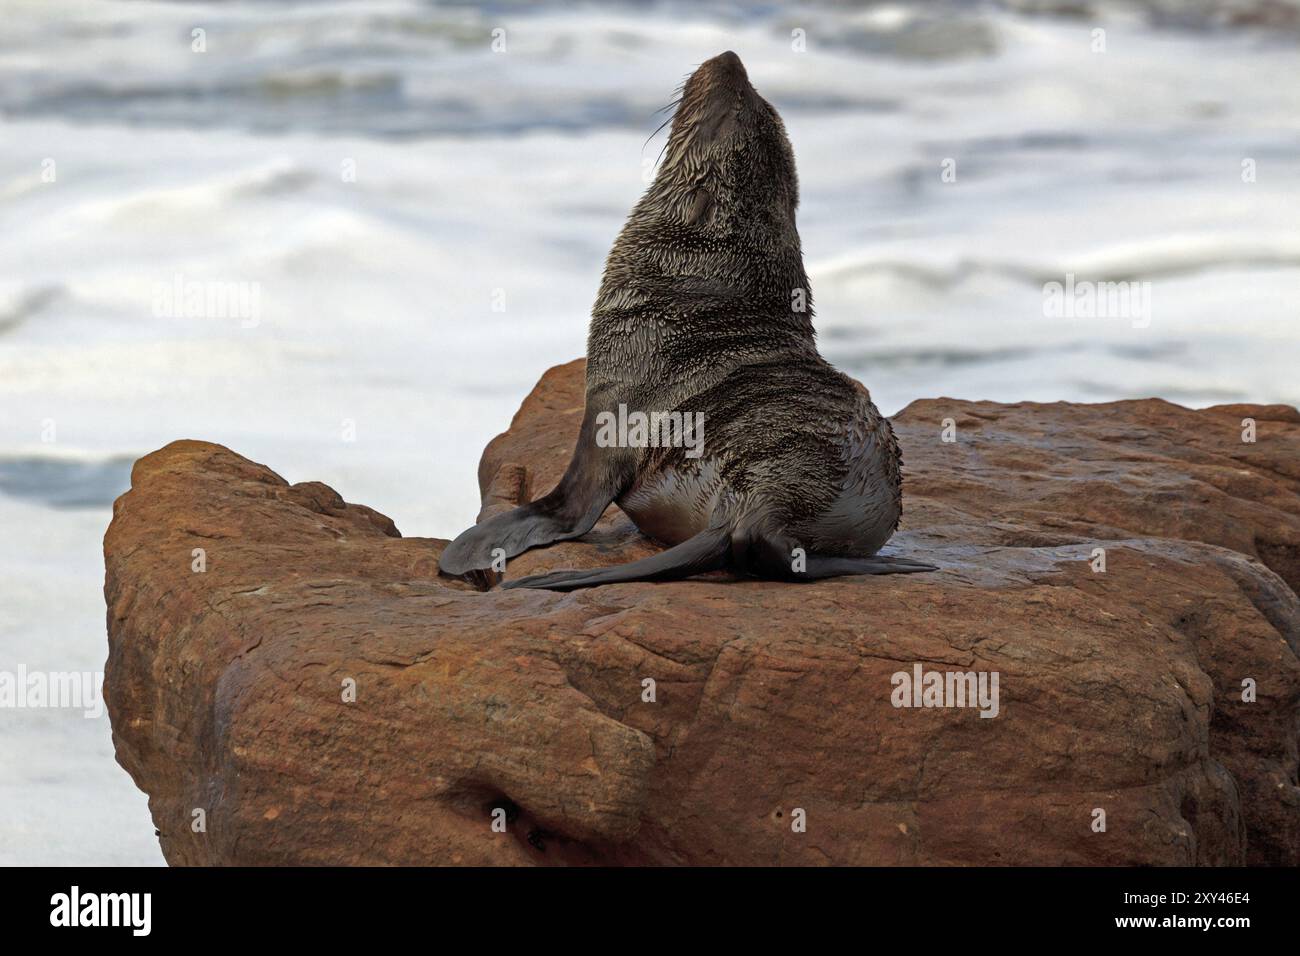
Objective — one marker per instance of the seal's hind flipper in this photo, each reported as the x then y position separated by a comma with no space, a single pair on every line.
825,567
706,551
769,557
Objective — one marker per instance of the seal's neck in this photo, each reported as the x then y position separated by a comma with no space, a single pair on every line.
679,305
661,269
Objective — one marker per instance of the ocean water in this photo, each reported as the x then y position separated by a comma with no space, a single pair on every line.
344,239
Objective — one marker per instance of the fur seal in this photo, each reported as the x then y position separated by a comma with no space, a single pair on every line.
704,310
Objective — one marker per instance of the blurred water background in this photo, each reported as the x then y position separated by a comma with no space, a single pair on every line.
418,222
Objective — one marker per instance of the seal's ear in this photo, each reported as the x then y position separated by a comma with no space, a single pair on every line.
699,207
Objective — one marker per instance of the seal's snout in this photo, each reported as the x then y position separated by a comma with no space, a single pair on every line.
720,126
725,68
710,99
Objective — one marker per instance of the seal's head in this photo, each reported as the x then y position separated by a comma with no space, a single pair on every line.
728,165
714,237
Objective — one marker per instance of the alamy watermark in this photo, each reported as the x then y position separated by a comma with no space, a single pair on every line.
946,689
1085,299
71,690
212,299
76,908
651,430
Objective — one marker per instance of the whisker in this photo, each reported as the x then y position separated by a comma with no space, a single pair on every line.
678,95
656,132
661,153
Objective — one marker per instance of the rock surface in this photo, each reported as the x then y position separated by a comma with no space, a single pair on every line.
1121,690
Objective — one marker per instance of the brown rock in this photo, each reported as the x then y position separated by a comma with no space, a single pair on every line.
1119,691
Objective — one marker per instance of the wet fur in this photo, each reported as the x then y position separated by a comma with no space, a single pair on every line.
697,313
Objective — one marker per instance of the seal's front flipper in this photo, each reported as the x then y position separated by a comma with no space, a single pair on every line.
563,514
707,551
505,535
824,567
594,478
